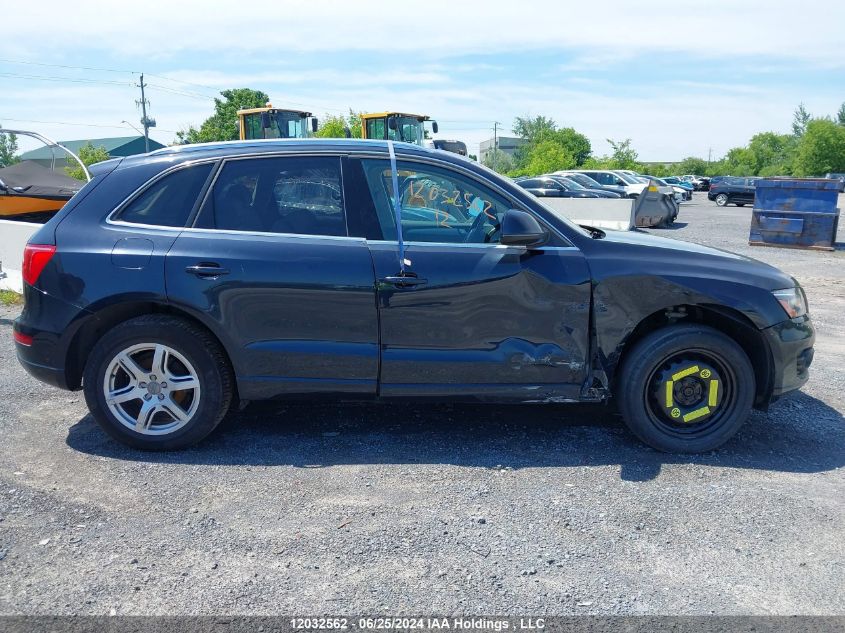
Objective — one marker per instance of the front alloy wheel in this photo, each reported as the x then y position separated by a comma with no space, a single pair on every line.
722,199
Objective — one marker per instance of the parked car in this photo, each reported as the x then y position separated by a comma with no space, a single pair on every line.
181,282
546,187
840,178
571,185
677,182
633,188
732,190
699,183
589,183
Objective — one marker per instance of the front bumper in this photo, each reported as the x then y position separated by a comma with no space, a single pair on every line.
791,344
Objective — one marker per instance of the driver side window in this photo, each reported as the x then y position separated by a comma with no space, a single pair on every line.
437,204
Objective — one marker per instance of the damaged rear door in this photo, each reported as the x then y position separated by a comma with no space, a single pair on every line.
464,315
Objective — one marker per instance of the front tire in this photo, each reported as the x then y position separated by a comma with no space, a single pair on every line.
686,388
722,199
157,382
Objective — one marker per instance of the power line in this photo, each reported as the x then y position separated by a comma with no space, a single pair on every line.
65,79
195,95
105,70
74,123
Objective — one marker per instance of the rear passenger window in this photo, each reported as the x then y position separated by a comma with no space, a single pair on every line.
301,195
170,200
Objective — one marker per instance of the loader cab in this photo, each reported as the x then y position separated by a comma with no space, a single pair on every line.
396,126
270,122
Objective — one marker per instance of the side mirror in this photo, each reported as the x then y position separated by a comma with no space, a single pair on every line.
434,127
314,124
266,121
347,132
521,229
391,123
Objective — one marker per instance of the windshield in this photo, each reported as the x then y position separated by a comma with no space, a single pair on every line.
629,179
408,129
570,183
286,125
585,181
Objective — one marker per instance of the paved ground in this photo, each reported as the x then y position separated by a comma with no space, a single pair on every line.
326,509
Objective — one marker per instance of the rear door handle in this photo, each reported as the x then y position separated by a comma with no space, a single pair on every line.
206,270
401,281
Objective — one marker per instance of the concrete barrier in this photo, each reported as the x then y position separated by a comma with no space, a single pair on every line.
603,213
13,238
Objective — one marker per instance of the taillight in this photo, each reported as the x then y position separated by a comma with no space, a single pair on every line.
23,339
35,257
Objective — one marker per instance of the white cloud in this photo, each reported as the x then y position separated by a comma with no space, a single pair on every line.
434,28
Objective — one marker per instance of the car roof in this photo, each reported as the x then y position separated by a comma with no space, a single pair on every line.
259,146
225,149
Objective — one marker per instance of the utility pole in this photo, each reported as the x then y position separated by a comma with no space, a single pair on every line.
709,154
496,125
145,121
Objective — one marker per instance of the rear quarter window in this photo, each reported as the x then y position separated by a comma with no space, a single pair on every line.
169,200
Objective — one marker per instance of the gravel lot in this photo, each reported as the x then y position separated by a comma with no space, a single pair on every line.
315,509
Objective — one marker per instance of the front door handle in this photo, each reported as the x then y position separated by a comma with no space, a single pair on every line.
206,270
403,281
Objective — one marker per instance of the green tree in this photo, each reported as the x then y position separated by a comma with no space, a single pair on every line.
573,142
223,124
89,155
821,149
772,153
354,121
8,149
545,157
531,128
692,165
624,156
739,161
840,115
800,119
498,161
332,127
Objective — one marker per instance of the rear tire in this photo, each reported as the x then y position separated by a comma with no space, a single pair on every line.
685,388
158,382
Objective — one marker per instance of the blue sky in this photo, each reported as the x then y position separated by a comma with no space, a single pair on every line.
676,80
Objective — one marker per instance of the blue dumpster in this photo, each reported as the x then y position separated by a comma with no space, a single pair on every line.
795,213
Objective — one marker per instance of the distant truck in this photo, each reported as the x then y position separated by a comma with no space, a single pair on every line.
456,147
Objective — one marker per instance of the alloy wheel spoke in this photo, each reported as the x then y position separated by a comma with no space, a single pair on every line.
132,368
159,367
145,416
175,410
126,394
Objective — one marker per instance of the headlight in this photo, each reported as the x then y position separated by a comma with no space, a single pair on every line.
792,300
